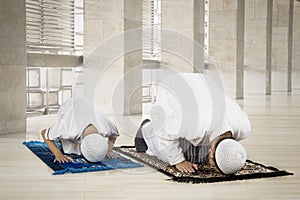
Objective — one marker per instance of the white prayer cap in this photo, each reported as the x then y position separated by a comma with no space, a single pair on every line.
230,156
94,147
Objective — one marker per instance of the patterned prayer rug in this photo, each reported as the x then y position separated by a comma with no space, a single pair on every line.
78,164
205,173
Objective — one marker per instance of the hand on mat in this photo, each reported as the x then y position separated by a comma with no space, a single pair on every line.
111,155
187,167
62,158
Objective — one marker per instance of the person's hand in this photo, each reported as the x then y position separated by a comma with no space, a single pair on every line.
61,158
111,155
187,167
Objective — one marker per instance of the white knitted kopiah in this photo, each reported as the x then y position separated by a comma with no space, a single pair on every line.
94,147
230,156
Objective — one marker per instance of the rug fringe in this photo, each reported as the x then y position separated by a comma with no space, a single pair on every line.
229,178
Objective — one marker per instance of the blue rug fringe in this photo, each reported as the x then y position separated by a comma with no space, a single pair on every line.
79,164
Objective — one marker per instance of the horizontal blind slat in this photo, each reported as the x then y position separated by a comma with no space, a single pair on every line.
50,25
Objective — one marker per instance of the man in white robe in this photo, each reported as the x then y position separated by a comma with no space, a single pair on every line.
191,107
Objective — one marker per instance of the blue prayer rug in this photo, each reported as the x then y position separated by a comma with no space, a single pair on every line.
79,164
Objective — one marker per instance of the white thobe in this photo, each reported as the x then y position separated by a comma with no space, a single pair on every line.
193,108
73,117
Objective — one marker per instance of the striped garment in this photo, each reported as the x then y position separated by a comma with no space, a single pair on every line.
193,153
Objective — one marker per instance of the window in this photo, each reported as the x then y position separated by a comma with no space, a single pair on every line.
151,29
51,26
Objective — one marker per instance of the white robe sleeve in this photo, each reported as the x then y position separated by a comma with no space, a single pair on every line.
172,151
238,121
52,133
60,129
166,149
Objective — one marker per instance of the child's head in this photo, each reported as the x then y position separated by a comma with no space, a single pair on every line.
94,147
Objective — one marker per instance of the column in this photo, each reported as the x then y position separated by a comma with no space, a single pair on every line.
226,43
107,51
240,27
290,46
258,16
182,32
280,45
133,16
296,47
269,47
199,34
12,67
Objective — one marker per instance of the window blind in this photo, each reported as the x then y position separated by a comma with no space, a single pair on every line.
151,29
50,26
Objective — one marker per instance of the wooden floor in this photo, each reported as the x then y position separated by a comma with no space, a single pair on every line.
275,140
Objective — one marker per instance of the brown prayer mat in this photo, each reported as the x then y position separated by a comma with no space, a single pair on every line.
205,173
